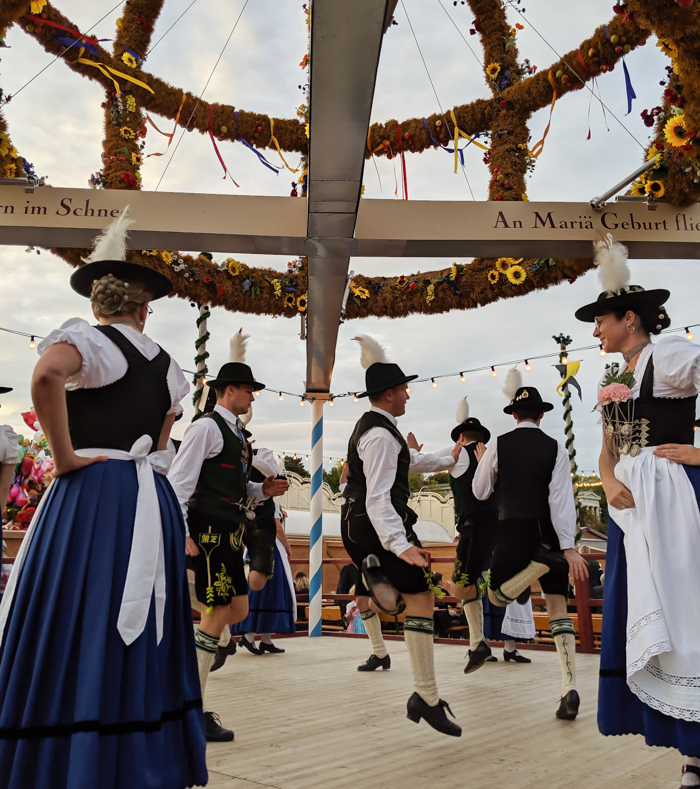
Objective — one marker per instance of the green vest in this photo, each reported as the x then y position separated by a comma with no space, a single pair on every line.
222,483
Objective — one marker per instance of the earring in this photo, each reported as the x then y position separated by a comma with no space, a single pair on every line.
630,329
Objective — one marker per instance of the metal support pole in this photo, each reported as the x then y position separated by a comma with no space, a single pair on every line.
316,512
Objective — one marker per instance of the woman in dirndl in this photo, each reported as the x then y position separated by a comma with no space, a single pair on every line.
98,675
650,658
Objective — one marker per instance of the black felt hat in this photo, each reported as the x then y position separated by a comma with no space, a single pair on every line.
626,299
5,389
471,425
81,281
527,397
381,376
235,373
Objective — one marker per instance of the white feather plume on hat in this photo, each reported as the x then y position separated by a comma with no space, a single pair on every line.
611,260
462,411
111,243
514,381
245,418
371,351
237,347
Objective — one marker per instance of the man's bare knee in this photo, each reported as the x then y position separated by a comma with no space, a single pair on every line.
493,601
256,580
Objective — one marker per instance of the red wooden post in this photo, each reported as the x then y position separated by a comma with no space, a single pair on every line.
585,620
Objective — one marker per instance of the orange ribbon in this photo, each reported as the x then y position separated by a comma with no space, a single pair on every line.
165,134
538,147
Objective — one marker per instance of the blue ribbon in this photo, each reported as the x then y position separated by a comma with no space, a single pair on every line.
628,85
132,53
69,41
442,147
275,169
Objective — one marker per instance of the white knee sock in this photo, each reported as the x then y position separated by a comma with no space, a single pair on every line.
418,634
206,654
250,637
509,645
225,639
373,626
474,611
690,779
565,639
266,638
520,582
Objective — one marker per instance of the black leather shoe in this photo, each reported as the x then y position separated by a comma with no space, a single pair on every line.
382,591
477,657
215,732
249,645
492,659
523,597
222,653
553,559
433,716
568,706
516,656
271,648
373,663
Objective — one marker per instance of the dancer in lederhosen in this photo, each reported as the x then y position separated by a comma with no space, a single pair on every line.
377,530
98,674
530,473
211,478
649,662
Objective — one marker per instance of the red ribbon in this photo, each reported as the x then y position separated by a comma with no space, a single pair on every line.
581,60
403,162
211,134
40,21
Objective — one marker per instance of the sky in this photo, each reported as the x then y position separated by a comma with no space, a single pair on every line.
56,122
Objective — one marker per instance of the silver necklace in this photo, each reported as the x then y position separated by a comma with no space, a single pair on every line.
629,355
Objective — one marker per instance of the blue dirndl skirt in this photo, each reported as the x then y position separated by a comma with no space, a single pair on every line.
271,610
619,710
80,709
493,621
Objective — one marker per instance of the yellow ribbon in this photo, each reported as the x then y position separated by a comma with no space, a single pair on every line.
104,69
538,147
459,133
277,145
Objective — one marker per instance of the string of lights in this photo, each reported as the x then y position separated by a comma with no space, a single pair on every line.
432,378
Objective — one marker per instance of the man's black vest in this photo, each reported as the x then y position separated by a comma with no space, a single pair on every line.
356,489
526,460
223,481
116,415
466,503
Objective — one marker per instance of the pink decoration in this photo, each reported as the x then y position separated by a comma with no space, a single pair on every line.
614,393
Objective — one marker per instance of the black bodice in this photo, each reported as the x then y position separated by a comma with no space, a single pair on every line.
116,415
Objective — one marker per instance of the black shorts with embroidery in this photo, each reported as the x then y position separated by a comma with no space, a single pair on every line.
259,538
360,539
218,569
477,539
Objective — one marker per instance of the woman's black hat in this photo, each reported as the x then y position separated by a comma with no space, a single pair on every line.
471,425
235,373
82,279
381,376
527,397
626,299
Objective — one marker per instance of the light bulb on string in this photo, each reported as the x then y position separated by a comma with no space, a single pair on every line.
356,399
301,403
528,366
306,458
331,403
564,359
434,383
280,398
493,372
688,334
32,342
602,350
408,389
462,377
257,393
294,457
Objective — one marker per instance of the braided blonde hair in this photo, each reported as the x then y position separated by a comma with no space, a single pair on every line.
112,296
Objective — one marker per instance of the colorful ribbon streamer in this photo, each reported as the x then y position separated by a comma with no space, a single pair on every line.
631,95
69,41
133,54
403,161
459,133
165,134
277,145
104,69
538,147
275,168
211,134
444,147
39,21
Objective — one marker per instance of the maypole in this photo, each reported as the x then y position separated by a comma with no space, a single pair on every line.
316,513
200,359
564,341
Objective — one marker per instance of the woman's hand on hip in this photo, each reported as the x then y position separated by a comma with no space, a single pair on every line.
74,462
679,453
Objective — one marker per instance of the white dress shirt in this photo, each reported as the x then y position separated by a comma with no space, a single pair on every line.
9,448
562,508
203,440
379,452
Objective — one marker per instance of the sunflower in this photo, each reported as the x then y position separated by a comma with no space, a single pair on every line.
637,189
493,276
361,293
655,188
516,275
301,303
289,300
166,257
150,252
667,47
127,133
503,264
233,266
136,158
675,132
129,59
453,272
652,154
37,6
492,70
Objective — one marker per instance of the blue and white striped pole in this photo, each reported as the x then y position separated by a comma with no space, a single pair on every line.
316,508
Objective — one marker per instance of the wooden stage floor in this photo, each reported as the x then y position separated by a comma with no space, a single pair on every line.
308,719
